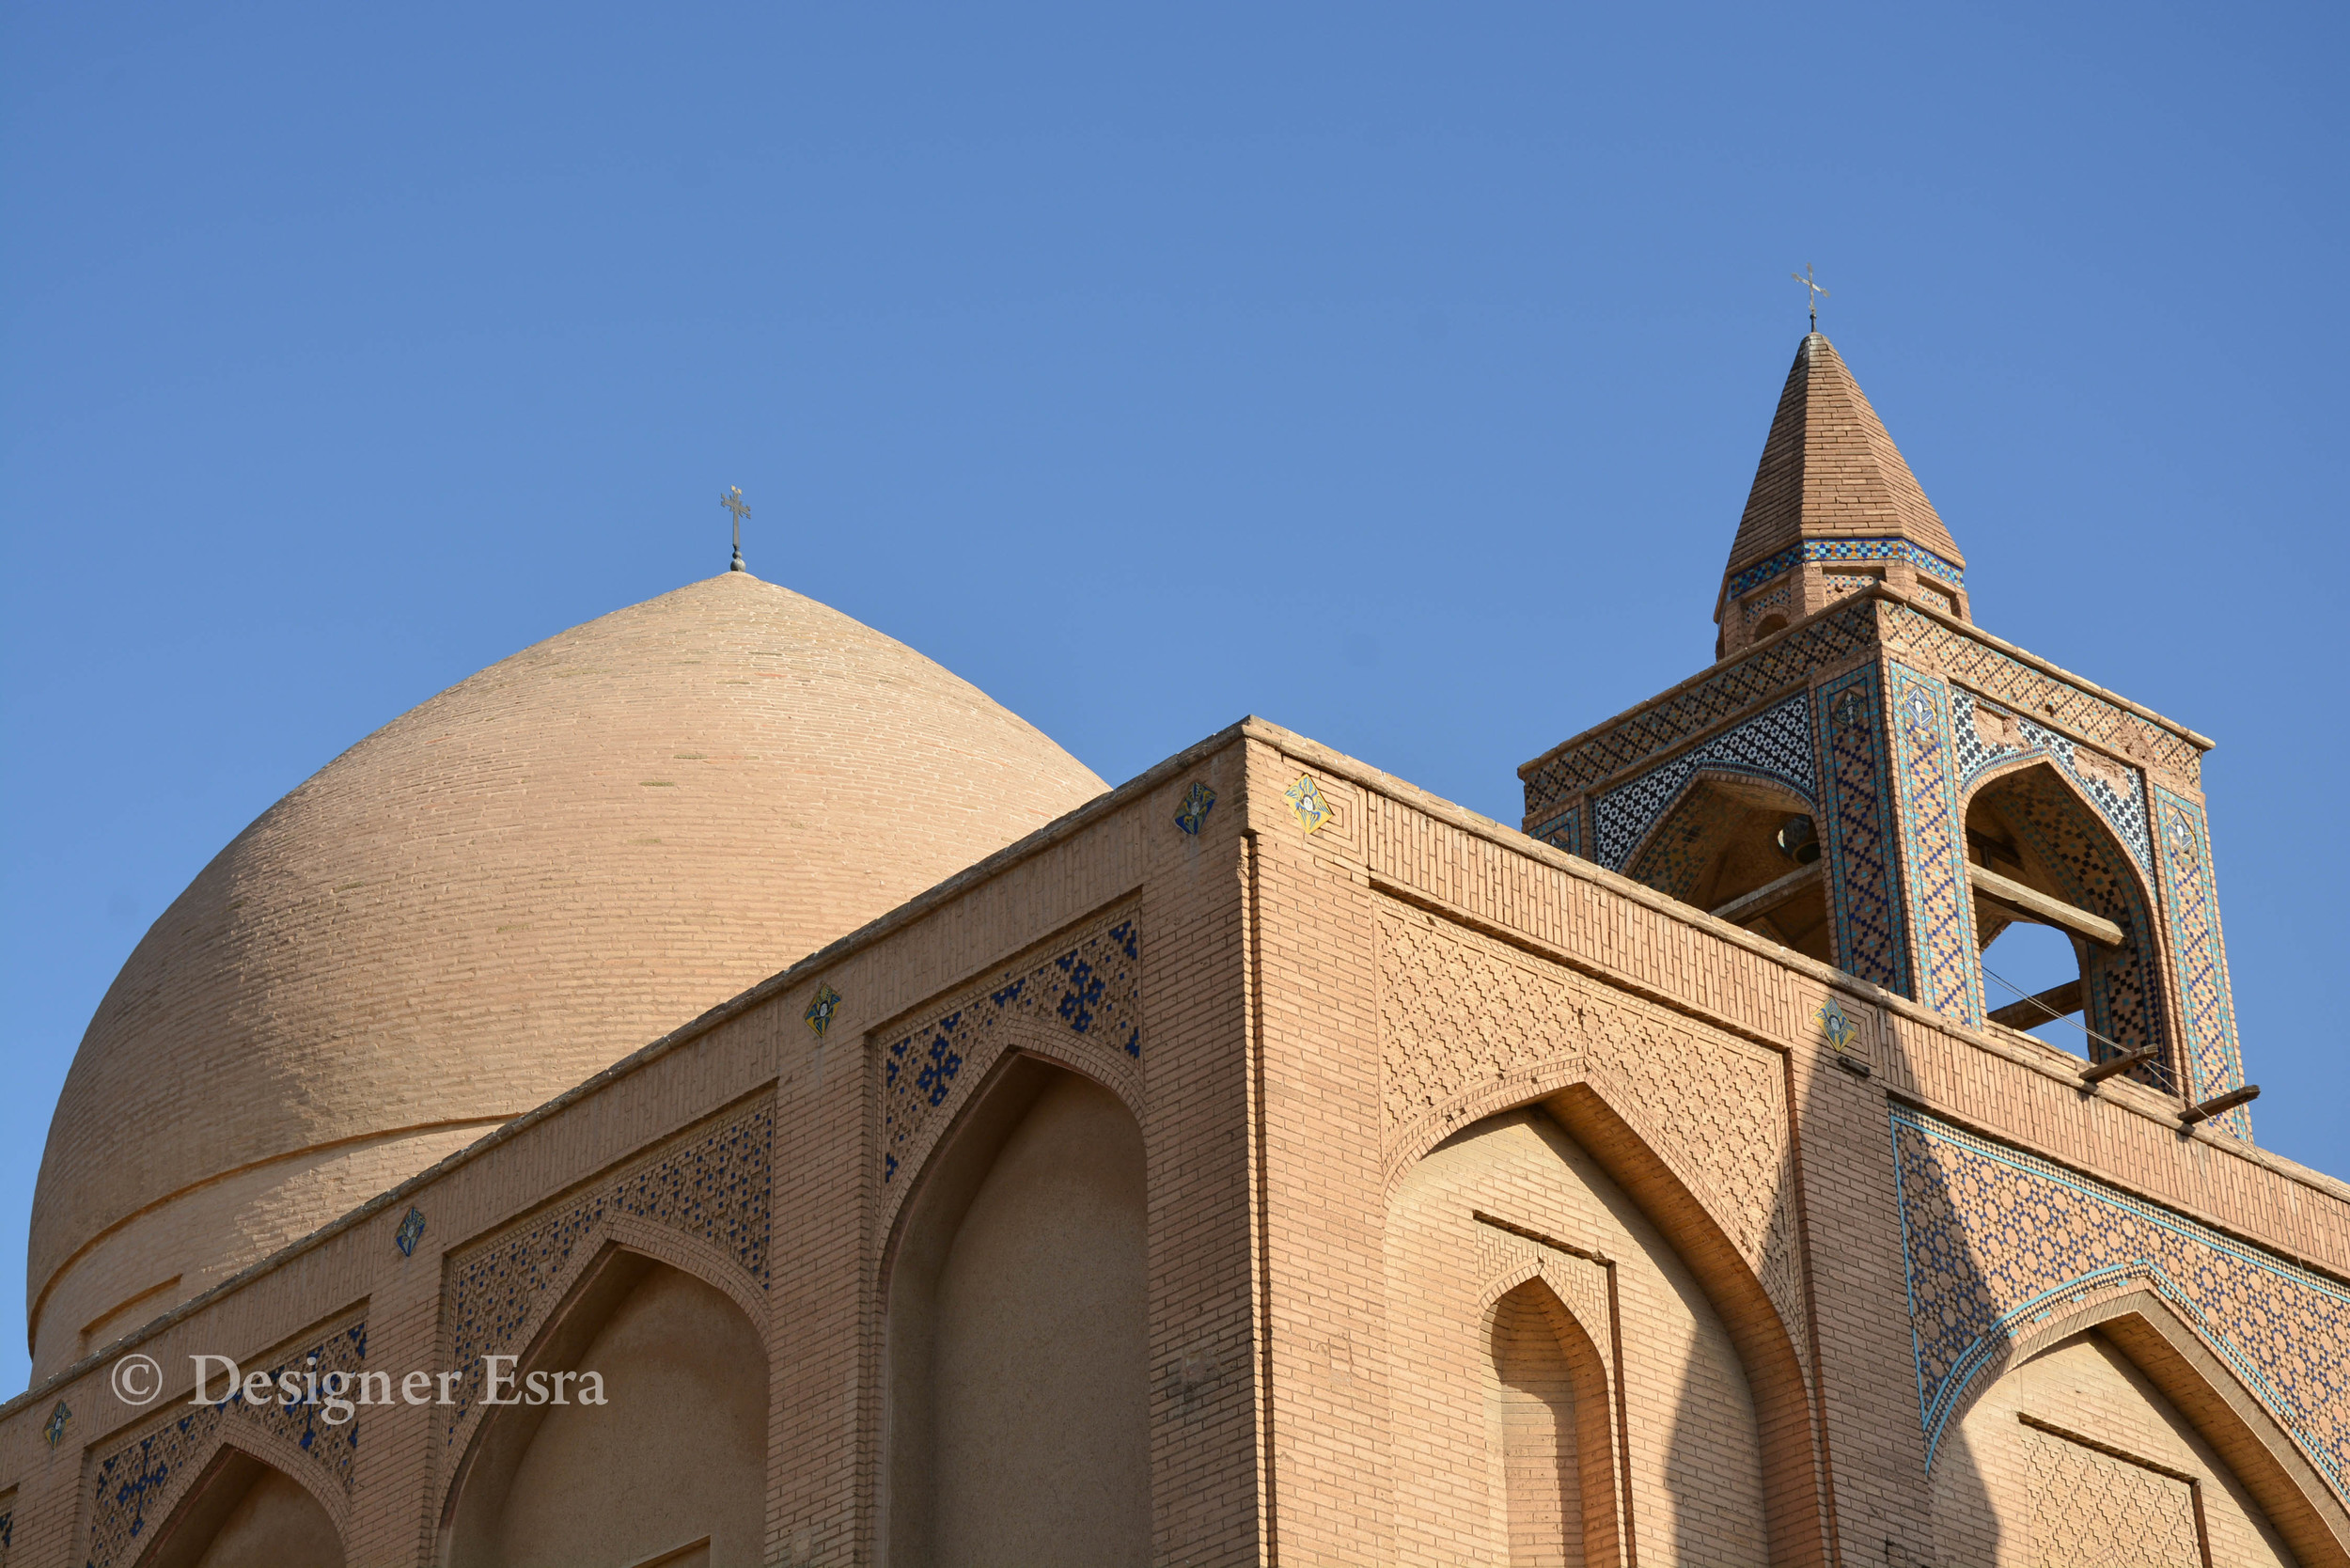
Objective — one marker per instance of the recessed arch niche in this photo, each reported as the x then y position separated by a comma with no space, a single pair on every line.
1564,1390
1016,1393
672,1469
244,1513
2074,1454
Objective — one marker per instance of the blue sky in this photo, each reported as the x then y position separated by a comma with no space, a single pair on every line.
1397,374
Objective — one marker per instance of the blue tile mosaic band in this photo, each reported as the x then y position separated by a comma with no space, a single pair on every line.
1858,825
1775,744
1997,1242
1988,736
1848,550
1933,850
2199,959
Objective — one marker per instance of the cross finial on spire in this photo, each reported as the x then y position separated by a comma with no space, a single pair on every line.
731,498
1804,277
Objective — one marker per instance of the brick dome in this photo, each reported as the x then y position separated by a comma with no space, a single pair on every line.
489,900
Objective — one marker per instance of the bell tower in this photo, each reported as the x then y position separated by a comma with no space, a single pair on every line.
1833,508
1868,778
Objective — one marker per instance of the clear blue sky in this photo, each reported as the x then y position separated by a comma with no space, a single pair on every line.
1396,374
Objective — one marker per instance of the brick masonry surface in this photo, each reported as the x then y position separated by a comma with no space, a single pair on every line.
1300,1020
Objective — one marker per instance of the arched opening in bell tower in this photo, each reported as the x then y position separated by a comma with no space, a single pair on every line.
2048,873
1746,850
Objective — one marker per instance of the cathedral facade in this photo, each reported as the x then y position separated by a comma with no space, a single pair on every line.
715,1089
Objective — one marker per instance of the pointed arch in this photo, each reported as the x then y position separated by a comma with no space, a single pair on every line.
1015,1403
1729,836
671,1326
2028,819
1760,1338
2154,1337
1601,1492
1793,1489
255,1483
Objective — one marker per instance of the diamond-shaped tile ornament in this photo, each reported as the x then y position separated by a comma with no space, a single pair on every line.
1836,1026
1198,801
411,1231
820,1011
54,1431
1307,800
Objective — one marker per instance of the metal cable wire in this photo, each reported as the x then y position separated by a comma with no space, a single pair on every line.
2065,1019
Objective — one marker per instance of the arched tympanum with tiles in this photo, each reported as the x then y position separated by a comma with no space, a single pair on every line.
2029,821
2114,1424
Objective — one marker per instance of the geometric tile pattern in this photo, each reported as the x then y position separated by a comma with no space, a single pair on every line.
1563,831
1985,735
1763,604
2199,959
1941,903
2024,689
2122,988
1092,990
1864,877
135,1478
2091,1509
1997,1242
1775,744
712,1184
1848,550
1699,706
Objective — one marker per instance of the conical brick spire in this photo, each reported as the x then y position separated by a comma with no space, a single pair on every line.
1833,507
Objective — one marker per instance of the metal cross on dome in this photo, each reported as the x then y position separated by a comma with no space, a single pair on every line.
1804,277
731,498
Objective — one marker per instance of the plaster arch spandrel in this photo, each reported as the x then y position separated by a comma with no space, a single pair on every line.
1075,1001
1469,1026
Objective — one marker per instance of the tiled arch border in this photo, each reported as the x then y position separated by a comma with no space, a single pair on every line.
2164,1345
279,1454
2143,893
1098,1059
1980,1328
1773,743
688,1255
